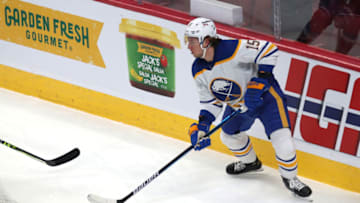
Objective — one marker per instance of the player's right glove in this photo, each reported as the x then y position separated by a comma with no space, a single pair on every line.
255,89
197,132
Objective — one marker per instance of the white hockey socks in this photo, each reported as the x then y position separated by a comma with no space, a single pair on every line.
285,152
240,145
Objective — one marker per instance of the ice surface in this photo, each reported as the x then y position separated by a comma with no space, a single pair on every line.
116,158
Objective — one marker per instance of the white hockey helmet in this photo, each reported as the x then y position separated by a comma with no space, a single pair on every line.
200,28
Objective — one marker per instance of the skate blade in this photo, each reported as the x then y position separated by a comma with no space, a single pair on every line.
255,171
248,172
305,199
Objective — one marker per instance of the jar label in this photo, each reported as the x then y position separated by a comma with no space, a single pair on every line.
151,65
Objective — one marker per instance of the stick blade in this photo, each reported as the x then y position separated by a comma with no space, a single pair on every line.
64,158
97,199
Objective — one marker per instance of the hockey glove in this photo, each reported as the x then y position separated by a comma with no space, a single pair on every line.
255,89
197,132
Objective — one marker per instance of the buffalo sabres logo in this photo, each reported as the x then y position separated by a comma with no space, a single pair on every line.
225,90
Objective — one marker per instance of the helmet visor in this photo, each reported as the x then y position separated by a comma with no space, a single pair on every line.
190,40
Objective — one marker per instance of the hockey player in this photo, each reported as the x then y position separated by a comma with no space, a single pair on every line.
236,73
346,17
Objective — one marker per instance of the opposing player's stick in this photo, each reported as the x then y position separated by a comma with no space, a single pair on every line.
54,162
97,199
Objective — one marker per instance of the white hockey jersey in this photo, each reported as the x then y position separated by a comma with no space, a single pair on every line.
224,80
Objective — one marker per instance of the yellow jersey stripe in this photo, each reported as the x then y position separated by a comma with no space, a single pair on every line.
232,56
224,60
199,73
281,108
268,50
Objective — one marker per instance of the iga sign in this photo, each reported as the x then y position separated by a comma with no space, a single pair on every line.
324,106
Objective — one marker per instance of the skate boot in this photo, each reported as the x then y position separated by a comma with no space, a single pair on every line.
240,167
297,187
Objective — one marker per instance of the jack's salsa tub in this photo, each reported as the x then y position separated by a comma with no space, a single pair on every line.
151,56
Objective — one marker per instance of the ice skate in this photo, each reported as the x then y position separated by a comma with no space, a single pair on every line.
299,188
240,167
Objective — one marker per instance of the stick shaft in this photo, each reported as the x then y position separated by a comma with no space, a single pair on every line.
23,151
155,175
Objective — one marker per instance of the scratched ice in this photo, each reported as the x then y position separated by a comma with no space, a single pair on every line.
116,158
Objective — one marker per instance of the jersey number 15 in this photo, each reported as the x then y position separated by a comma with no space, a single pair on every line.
253,44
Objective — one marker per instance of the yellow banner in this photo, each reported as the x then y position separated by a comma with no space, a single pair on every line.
149,49
52,31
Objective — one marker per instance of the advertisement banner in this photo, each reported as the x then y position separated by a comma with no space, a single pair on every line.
151,56
324,103
148,80
52,31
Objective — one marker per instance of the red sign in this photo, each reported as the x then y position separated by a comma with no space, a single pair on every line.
325,104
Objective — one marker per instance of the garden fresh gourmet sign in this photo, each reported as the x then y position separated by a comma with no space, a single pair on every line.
51,31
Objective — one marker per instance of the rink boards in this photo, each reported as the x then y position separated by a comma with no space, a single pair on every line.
85,64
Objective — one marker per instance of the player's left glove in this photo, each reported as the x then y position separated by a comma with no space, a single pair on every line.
197,132
255,89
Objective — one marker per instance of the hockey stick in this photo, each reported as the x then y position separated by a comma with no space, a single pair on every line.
53,162
97,199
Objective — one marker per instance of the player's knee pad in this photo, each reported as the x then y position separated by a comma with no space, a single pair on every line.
285,152
234,141
240,145
283,143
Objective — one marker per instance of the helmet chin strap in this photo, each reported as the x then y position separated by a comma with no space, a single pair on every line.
204,50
